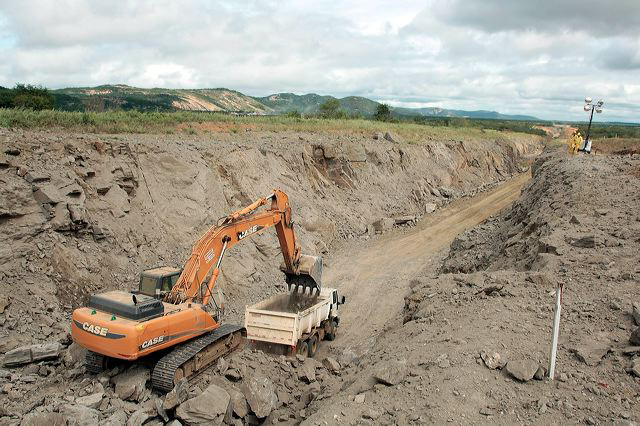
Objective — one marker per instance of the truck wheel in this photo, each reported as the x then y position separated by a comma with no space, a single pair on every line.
313,345
331,334
302,349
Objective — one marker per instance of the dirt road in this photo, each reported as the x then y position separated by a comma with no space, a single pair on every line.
375,278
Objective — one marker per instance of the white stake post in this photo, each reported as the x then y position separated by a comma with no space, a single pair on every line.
554,334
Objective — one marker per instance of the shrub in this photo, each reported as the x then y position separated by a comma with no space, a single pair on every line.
331,109
383,113
28,96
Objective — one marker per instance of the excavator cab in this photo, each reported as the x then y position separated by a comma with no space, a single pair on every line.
157,282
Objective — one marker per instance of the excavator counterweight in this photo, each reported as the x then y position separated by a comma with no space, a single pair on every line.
177,309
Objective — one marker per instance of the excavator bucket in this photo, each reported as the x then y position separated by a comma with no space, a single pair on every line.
309,275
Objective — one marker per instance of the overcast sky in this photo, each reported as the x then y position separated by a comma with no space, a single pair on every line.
516,57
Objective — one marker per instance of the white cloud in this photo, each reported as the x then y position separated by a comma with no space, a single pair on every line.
538,58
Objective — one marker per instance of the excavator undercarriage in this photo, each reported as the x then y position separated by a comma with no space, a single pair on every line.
192,357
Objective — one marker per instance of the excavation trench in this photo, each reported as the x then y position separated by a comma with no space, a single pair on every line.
375,277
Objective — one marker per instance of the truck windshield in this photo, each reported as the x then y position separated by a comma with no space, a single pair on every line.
148,285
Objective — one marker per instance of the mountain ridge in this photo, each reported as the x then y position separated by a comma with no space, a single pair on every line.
121,96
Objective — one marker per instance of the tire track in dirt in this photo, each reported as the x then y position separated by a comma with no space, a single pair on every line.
375,276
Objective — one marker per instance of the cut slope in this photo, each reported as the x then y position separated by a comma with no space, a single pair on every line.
576,223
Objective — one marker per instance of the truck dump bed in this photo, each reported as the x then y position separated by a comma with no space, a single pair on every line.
284,318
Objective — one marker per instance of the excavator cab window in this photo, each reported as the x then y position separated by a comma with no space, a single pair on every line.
156,284
166,284
148,285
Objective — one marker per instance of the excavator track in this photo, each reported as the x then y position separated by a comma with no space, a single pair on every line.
191,358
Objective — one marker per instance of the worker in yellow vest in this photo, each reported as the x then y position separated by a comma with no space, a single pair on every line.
575,142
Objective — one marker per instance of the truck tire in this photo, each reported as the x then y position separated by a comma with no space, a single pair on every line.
313,345
331,333
302,349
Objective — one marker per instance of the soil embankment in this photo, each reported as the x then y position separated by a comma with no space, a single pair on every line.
471,343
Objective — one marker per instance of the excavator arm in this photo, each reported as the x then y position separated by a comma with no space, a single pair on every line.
300,270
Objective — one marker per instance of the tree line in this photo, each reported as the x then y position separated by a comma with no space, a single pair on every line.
26,96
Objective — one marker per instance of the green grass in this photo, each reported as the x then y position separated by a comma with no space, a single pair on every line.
201,122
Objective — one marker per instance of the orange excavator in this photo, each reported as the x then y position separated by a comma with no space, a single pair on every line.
175,313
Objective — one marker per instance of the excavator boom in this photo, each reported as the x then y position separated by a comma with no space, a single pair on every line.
301,271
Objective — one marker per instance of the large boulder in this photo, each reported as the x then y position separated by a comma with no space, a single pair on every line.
32,353
44,419
382,225
635,337
584,242
238,402
74,354
80,415
118,418
331,364
138,417
261,395
392,137
591,352
91,401
131,384
178,395
307,371
635,312
208,408
391,373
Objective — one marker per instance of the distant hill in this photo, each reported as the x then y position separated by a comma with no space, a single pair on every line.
125,97
440,112
120,96
310,103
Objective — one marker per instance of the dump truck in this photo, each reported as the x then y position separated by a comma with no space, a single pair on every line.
295,322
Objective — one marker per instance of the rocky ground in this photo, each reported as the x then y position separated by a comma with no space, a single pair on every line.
473,343
85,213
